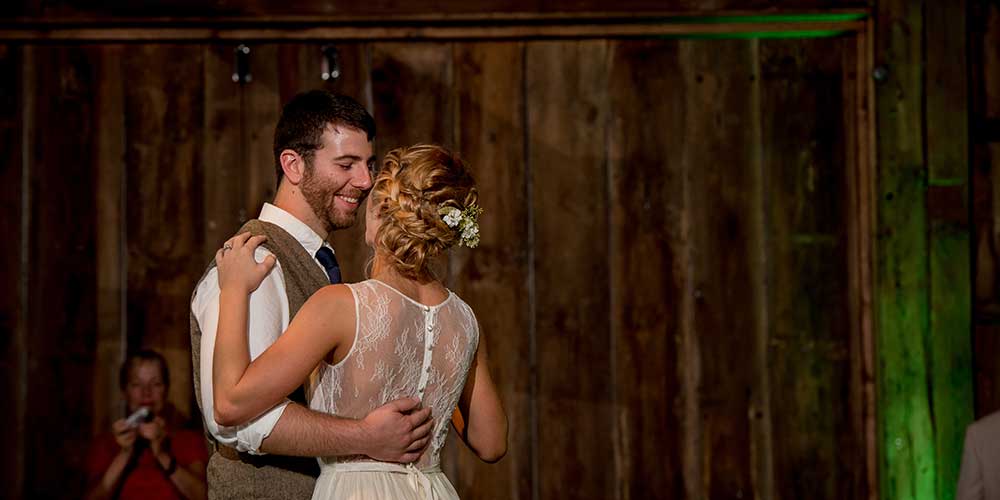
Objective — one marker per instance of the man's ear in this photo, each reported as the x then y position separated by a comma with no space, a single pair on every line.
293,165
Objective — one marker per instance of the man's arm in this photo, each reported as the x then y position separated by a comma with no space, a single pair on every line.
393,432
268,313
396,432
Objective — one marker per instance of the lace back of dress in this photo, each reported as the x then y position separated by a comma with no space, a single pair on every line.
402,349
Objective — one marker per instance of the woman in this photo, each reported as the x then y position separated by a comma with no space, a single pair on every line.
147,458
399,334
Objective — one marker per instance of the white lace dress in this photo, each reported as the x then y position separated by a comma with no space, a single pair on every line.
401,349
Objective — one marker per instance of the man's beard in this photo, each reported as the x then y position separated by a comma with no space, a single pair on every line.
320,194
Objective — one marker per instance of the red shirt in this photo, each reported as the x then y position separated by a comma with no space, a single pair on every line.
146,479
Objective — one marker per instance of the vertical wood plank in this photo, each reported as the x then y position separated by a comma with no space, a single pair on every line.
12,320
858,99
567,119
647,266
412,94
224,175
259,112
62,326
986,209
109,155
723,194
908,466
947,147
164,202
493,278
987,342
762,474
810,337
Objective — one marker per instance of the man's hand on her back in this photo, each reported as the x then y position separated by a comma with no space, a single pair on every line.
398,431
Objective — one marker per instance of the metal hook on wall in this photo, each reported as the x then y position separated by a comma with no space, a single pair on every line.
330,65
241,66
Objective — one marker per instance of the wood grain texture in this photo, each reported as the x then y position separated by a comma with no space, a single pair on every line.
223,177
805,171
109,162
412,94
906,441
493,278
984,30
663,273
69,9
164,113
567,115
647,266
718,155
857,96
947,150
62,325
12,314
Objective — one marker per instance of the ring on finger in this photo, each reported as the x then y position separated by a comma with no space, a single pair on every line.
227,246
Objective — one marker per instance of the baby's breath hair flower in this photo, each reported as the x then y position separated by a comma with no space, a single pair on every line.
464,222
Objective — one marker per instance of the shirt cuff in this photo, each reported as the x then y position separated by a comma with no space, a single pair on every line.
250,436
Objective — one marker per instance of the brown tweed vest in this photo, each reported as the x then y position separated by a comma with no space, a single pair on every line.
266,476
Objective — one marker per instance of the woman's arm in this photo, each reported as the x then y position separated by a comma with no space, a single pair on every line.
107,482
480,418
241,389
188,479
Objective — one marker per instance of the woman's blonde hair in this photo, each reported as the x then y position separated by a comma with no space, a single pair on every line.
415,183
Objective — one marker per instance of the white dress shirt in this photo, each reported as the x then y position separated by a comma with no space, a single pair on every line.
269,317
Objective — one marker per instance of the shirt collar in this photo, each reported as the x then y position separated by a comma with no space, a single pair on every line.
293,226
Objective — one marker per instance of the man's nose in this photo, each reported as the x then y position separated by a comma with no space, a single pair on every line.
363,180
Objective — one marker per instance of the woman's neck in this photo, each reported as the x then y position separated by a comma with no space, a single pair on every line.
385,272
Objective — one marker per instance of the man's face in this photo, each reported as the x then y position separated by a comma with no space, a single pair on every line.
338,178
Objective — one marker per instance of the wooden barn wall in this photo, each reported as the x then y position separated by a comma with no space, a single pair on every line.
984,33
923,265
69,9
662,280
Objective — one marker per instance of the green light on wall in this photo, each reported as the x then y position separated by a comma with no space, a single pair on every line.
798,26
761,35
842,17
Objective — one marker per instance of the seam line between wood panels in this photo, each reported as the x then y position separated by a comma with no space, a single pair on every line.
27,107
762,416
614,323
532,293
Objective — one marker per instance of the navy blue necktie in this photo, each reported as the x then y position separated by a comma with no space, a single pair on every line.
325,257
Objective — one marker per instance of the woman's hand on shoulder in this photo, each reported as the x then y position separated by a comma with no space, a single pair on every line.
238,268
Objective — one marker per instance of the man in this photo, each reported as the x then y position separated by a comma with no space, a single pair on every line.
323,156
979,478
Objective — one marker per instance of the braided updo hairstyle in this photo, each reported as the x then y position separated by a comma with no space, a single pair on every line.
414,184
